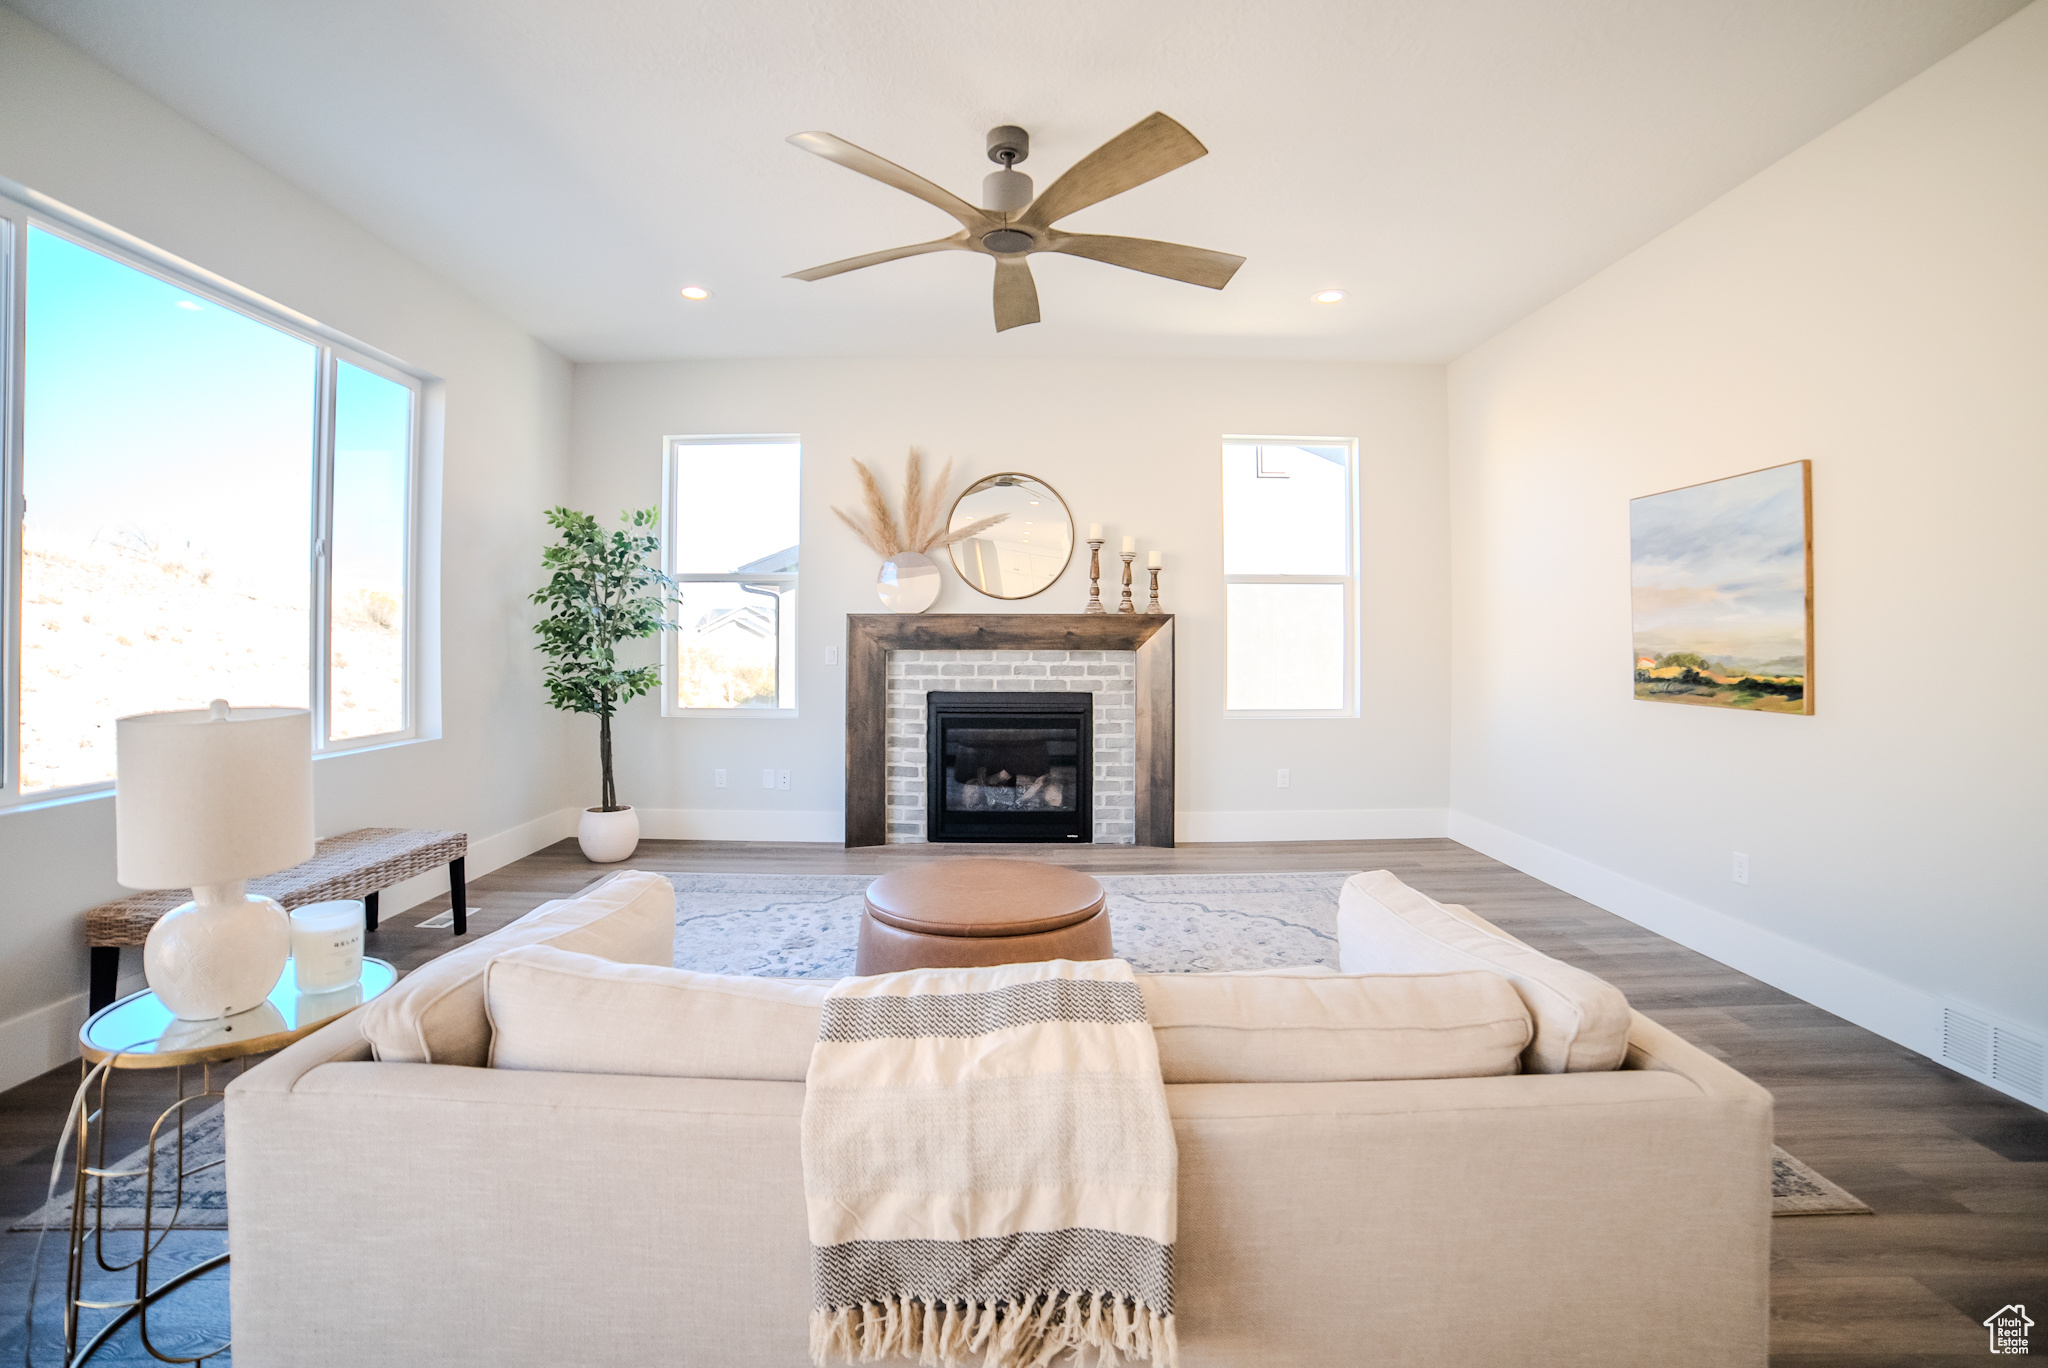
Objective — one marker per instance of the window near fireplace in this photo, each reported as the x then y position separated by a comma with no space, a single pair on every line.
729,536
1290,577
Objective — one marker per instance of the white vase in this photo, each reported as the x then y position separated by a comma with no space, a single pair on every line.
608,837
909,583
217,955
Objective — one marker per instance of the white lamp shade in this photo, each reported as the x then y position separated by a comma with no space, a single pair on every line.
208,796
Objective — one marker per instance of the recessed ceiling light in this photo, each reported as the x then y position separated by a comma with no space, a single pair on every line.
695,292
1327,296
193,305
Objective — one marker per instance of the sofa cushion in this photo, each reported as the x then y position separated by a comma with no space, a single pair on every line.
435,1014
560,1012
569,1013
1386,927
1290,1027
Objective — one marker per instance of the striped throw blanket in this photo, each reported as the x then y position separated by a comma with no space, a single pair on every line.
989,1168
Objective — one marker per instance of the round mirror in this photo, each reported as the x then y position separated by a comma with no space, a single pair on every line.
1023,553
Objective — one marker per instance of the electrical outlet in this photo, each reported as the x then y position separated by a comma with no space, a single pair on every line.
831,655
1741,870
1281,782
782,779
718,778
767,778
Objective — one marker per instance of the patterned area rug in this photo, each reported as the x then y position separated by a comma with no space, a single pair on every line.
804,925
205,1205
1796,1190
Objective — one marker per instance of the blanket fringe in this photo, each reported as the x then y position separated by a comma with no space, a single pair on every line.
1097,1326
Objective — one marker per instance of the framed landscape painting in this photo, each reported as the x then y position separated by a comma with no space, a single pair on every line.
1721,579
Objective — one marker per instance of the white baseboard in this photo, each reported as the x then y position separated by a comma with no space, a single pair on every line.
742,824
491,852
1894,1010
40,1039
1332,824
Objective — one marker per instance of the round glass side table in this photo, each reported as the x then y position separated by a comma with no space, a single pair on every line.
139,1032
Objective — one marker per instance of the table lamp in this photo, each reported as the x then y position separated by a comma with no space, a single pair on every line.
208,799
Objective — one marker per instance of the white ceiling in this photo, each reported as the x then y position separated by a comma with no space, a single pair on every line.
1452,164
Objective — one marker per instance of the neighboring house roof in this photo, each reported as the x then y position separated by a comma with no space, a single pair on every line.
783,562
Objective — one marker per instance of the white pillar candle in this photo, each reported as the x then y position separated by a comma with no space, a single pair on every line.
1094,531
1130,545
1153,560
327,946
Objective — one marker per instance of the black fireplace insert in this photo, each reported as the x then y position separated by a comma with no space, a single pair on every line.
1010,766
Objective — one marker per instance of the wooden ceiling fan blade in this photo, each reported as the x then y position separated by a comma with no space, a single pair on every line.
1146,150
957,242
1195,265
839,150
1016,294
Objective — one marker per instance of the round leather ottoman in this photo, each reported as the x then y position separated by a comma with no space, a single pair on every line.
956,914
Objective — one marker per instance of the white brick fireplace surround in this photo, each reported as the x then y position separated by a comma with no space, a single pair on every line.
1112,676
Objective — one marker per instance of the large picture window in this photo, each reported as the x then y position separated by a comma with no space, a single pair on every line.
730,533
208,502
1290,584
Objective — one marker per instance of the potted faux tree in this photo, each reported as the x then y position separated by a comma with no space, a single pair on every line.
603,589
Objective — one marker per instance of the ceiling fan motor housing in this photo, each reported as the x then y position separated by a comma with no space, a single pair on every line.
1007,191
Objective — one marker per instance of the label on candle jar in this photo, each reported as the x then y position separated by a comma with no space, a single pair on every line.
327,946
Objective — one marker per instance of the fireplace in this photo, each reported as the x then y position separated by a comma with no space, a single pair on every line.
1009,766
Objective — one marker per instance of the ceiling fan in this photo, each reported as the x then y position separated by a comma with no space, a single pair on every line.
1014,225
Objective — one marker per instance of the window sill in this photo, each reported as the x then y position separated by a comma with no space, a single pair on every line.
85,794
1290,715
730,712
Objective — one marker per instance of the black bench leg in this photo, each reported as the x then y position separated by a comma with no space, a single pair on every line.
369,911
458,895
106,971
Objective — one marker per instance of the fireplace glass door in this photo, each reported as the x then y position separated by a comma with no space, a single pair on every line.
1009,767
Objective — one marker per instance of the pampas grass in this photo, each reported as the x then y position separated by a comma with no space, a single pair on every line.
922,530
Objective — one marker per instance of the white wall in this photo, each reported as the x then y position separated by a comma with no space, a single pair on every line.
72,130
1133,445
1877,303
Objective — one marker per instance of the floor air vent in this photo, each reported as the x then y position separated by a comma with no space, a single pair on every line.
2006,1057
2016,1062
1965,1040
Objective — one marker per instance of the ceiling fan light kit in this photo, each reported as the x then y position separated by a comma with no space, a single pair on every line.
1014,225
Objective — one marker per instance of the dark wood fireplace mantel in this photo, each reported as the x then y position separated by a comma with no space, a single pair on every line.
871,636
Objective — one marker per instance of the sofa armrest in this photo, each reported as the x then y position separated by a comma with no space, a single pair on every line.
338,1042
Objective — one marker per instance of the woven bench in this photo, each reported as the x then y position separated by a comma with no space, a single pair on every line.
356,864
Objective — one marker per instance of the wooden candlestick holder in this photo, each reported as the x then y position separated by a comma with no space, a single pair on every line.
1094,576
1153,607
1127,606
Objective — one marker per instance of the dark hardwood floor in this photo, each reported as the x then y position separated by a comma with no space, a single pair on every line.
1956,1172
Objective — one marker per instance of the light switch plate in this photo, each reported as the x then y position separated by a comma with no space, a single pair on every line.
768,779
718,778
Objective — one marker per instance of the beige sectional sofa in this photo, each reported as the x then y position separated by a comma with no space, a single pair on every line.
416,1208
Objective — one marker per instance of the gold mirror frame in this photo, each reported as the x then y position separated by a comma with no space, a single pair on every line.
989,481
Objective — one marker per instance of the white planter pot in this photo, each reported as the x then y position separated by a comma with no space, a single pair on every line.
608,837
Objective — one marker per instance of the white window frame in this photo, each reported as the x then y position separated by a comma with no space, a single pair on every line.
22,209
671,645
1349,579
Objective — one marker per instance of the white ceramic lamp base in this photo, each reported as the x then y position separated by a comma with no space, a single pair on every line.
219,954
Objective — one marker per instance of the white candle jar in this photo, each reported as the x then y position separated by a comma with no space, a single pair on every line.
327,946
